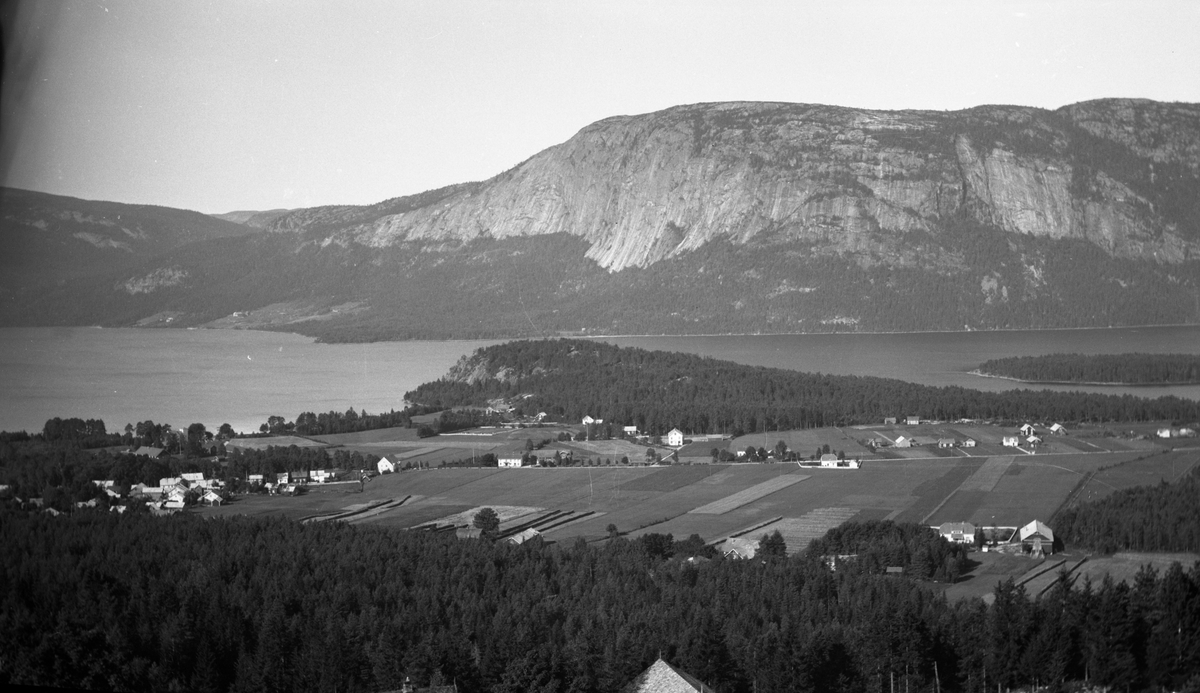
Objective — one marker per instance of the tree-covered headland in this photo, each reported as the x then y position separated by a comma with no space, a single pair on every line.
659,390
1130,369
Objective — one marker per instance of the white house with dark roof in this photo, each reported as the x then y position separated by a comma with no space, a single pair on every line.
509,460
957,532
675,438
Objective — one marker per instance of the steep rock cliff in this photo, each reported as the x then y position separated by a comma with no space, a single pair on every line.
850,182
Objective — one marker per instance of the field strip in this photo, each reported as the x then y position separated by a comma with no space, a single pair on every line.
986,477
797,531
407,454
374,513
749,495
357,511
506,513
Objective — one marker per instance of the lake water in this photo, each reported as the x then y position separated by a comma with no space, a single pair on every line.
242,377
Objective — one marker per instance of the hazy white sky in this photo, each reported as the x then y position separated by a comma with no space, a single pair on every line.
217,106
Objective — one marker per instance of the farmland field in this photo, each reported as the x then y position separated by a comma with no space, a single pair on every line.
1144,470
986,485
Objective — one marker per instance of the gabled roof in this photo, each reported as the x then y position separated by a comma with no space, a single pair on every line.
524,536
664,678
1034,529
957,527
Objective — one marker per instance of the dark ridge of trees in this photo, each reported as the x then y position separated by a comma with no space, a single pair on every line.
1131,369
1165,517
89,433
658,390
878,544
310,424
132,602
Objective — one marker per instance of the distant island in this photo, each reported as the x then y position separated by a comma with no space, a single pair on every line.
1097,369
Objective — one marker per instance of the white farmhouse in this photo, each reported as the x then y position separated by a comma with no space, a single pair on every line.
675,438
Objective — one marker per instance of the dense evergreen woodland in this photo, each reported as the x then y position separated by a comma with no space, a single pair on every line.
133,602
1144,518
658,390
1134,369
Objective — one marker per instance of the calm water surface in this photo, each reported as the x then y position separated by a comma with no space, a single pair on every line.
242,377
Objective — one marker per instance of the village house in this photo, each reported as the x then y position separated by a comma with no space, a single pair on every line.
385,466
152,453
524,536
297,477
889,421
1058,430
1164,433
946,443
211,497
829,460
1033,441
912,420
902,442
968,442
255,479
322,476
281,478
675,438
630,431
1027,430
192,477
1011,441
957,532
1037,538
509,460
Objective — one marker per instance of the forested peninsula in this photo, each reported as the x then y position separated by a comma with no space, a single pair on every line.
658,390
1098,369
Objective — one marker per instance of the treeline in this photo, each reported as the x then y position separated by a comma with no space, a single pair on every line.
310,424
1131,369
137,603
1165,517
62,474
658,390
876,545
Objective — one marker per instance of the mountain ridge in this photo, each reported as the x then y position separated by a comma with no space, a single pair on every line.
743,217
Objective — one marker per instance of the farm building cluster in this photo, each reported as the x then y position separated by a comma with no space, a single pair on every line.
1034,538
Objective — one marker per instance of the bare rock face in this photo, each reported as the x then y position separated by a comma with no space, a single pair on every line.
848,182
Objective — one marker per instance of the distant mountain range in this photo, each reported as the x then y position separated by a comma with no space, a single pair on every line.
709,218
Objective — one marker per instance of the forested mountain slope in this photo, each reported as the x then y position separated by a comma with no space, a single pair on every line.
734,217
102,601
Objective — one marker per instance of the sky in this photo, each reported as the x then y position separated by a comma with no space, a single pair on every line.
255,105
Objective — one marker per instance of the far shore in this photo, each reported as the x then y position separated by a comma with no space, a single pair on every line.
599,336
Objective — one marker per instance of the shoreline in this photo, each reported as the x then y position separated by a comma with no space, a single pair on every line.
981,374
564,335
